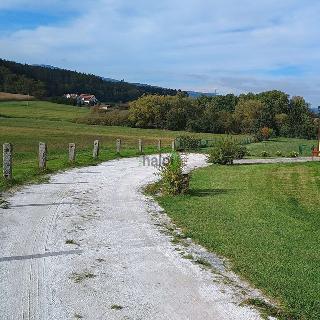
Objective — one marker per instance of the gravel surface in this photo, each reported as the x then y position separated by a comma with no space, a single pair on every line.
88,245
276,160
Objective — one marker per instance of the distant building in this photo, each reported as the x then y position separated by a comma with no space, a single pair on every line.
89,99
105,106
71,95
84,98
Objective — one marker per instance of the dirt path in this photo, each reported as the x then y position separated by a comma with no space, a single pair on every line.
276,160
86,246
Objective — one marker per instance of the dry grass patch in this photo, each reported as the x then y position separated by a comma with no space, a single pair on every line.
6,96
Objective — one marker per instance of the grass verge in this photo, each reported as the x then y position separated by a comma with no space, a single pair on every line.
265,219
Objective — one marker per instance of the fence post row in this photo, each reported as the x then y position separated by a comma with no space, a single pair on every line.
42,156
72,152
96,147
7,161
118,145
8,151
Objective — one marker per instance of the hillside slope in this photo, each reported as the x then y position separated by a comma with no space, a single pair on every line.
42,81
5,96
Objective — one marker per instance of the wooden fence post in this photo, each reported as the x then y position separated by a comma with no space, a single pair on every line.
42,156
159,145
96,149
173,145
140,146
7,161
72,152
118,145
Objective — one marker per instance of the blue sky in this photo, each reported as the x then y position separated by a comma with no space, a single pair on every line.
232,46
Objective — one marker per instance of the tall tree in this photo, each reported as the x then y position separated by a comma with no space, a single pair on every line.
248,115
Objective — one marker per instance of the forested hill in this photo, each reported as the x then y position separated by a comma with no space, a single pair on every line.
42,82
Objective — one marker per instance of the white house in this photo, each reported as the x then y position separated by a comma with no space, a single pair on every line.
88,99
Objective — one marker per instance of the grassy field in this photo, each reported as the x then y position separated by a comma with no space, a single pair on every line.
24,126
5,96
266,220
284,145
40,110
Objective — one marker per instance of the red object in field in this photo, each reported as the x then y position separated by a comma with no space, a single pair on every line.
315,152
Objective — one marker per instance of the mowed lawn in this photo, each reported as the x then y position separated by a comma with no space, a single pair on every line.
284,145
266,220
41,110
25,124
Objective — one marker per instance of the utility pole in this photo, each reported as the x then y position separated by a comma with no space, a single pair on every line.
318,130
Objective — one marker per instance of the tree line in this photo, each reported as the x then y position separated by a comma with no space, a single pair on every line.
46,82
264,114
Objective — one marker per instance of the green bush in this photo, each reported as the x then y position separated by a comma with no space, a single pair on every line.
279,154
265,154
294,154
226,151
185,143
173,181
266,133
241,152
62,100
109,118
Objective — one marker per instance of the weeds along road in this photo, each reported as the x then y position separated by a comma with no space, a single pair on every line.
86,245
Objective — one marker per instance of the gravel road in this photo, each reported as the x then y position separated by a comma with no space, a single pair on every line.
276,160
86,245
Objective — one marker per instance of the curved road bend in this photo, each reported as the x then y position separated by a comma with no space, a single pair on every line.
85,246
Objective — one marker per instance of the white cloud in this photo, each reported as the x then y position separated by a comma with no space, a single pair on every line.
57,5
191,44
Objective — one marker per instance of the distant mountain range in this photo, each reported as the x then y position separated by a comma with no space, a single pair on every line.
192,94
314,110
195,94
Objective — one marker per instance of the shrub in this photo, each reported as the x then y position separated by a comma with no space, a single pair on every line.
110,118
241,152
248,153
225,151
173,180
279,153
188,143
294,154
265,154
263,134
266,133
62,100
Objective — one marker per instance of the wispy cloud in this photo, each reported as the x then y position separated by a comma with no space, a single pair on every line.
229,45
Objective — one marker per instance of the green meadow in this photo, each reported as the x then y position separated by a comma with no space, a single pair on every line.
265,219
25,124
285,146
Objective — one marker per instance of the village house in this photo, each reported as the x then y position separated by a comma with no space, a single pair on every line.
89,99
71,95
84,98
